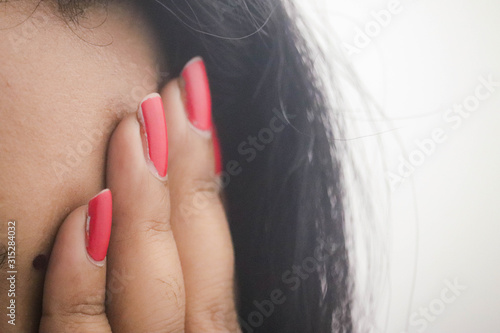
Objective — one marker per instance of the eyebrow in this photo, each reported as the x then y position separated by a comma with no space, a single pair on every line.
73,9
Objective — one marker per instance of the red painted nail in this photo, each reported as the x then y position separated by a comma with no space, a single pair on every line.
198,99
199,103
152,116
99,219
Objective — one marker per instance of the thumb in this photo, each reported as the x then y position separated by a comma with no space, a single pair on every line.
74,290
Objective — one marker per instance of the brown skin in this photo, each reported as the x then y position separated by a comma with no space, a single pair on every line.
65,88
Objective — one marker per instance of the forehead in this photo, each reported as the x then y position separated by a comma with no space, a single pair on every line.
112,34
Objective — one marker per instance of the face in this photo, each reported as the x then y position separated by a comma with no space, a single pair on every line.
63,87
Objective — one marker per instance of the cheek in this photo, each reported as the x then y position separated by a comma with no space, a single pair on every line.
53,142
51,161
60,99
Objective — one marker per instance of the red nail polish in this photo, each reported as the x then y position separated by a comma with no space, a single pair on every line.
199,103
99,219
152,116
198,99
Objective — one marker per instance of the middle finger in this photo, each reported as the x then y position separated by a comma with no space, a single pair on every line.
145,283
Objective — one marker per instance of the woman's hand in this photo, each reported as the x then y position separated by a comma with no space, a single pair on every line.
169,266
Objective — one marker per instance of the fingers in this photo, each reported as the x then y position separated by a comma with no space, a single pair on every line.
75,281
142,245
158,295
198,218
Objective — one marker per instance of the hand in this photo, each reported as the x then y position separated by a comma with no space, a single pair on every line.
169,265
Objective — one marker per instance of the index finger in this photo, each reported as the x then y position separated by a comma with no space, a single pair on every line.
74,291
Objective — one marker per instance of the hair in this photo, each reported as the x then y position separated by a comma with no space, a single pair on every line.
287,203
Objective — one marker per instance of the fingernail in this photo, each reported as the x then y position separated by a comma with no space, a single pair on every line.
198,102
152,118
98,229
197,94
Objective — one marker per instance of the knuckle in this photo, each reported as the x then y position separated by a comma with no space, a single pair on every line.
172,320
174,291
155,214
218,316
91,306
74,315
208,186
198,196
174,325
156,226
169,315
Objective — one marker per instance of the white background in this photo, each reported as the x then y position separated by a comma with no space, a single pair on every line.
445,217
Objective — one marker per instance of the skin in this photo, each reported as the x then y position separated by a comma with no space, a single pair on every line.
67,88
